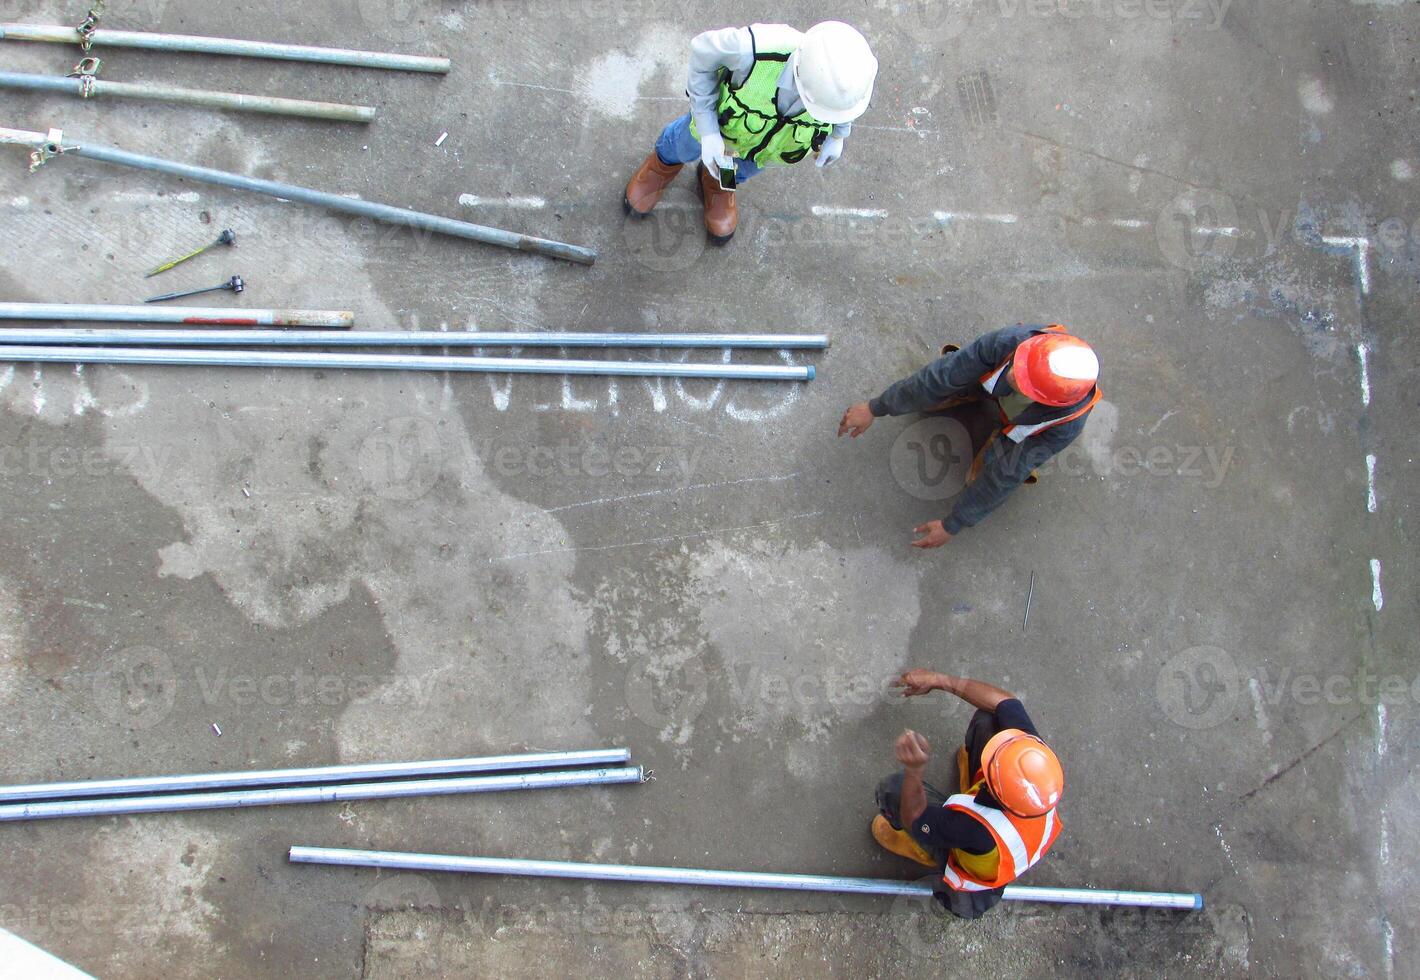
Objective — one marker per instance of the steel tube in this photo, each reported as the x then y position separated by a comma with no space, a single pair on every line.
334,202
724,879
196,315
402,338
395,362
325,774
58,34
189,96
54,810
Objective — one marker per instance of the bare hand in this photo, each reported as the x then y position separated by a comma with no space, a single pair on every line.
934,535
916,682
856,420
912,750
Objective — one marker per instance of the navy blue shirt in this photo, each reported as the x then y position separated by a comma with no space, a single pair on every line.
940,829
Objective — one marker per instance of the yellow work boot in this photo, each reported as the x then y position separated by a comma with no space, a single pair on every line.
900,843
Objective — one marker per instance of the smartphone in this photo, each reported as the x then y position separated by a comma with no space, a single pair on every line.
728,181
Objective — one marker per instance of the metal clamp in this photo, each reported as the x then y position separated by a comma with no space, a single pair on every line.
53,146
90,24
87,71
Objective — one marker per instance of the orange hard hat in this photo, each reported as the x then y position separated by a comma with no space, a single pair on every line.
1022,773
1055,369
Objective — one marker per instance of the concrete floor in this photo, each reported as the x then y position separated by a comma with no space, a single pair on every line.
339,567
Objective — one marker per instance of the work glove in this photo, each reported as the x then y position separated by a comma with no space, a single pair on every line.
712,151
831,150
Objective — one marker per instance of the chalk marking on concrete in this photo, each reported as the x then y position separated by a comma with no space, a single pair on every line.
1381,740
1001,219
1222,232
522,203
660,493
1388,932
662,540
19,202
1361,253
1377,597
824,211
6,376
1227,850
1371,503
1259,711
1167,415
540,88
1363,354
37,382
83,398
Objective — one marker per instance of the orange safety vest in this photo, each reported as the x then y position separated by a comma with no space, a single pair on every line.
1020,843
1020,433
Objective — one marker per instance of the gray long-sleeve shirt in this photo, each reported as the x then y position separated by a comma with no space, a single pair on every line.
1007,463
732,48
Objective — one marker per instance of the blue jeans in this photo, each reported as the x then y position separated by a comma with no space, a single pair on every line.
677,145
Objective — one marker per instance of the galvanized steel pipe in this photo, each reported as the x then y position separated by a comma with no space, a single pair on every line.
403,338
196,315
54,810
57,34
396,362
724,879
334,111
207,781
334,202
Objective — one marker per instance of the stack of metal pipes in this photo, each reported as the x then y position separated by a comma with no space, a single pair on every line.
331,784
192,344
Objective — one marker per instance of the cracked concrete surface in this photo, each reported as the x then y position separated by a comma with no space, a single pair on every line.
337,568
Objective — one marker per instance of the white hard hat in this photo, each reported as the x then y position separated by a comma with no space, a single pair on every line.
834,70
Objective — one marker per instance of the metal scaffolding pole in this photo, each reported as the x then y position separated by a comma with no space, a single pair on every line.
325,774
334,111
196,315
58,34
724,879
396,362
402,338
50,144
54,810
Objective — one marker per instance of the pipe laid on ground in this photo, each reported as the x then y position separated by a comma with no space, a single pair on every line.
396,362
333,111
724,879
196,315
404,338
54,810
52,143
58,34
326,774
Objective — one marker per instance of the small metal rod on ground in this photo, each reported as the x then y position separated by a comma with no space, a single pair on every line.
51,144
58,34
325,360
333,111
1029,596
401,338
725,879
53,810
195,315
373,771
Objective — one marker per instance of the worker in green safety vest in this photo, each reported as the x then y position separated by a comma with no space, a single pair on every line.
760,96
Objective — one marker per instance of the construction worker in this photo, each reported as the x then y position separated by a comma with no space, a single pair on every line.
1002,819
760,96
1039,384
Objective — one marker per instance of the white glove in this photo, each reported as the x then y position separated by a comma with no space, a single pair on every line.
712,151
831,150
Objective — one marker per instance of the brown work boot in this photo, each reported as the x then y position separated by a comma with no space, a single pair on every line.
722,211
900,843
647,184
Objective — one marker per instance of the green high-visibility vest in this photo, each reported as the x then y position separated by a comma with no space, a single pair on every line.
749,118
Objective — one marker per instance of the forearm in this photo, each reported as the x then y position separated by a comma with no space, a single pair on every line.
952,375
913,802
729,49
978,694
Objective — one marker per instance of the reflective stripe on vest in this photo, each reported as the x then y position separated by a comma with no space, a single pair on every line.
1010,833
749,114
